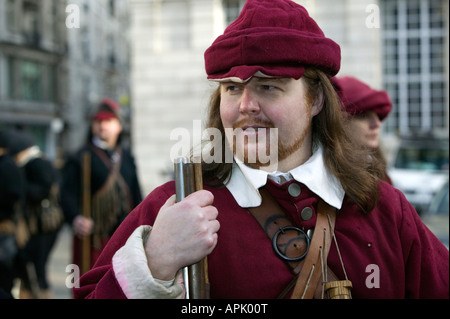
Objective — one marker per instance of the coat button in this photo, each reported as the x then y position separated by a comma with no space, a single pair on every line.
294,190
306,213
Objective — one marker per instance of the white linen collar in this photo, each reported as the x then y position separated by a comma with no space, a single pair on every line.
245,181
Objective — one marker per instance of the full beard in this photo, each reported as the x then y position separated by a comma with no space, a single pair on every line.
250,153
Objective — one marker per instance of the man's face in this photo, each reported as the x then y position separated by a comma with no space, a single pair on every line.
107,130
261,104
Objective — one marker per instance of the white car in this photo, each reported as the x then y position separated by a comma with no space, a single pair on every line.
420,169
436,216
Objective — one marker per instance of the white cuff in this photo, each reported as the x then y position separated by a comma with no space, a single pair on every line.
133,274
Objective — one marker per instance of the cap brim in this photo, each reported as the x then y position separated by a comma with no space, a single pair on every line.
243,73
104,115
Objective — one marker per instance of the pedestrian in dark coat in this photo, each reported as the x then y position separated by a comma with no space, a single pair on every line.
42,214
12,191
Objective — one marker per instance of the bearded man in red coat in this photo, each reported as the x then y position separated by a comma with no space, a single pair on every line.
273,66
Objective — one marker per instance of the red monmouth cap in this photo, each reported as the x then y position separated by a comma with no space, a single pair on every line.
357,97
108,108
274,38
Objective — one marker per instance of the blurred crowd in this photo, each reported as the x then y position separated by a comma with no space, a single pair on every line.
93,193
30,216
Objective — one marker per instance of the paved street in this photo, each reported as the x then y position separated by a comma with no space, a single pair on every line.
59,259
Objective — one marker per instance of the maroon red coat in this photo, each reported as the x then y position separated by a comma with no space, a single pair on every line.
411,261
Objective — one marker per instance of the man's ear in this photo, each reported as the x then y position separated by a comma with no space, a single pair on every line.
318,103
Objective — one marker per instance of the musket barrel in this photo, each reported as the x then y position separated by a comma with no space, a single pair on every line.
188,179
179,178
180,194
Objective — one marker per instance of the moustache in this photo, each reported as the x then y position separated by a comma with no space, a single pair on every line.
254,123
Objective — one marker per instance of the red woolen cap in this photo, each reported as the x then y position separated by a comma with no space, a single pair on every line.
275,38
357,97
108,108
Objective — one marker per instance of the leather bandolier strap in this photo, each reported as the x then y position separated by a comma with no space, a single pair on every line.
291,243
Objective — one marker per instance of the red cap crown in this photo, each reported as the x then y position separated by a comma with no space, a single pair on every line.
275,37
357,97
108,109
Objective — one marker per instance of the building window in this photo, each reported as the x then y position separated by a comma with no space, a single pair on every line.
85,44
414,57
10,66
11,15
31,22
112,8
31,80
30,88
232,8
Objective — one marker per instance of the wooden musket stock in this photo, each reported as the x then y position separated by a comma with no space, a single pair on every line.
188,179
86,200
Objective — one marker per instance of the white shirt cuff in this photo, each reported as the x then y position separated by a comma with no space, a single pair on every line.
133,274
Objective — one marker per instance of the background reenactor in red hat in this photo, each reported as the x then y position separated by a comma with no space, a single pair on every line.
99,186
366,109
315,223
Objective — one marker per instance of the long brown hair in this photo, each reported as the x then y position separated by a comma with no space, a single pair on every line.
355,168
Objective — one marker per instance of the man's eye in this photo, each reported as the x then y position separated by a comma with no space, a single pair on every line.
232,88
361,116
269,87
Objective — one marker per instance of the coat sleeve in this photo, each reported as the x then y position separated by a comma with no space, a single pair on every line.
70,188
11,187
426,258
108,278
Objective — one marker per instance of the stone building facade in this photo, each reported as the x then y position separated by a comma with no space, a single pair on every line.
57,60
